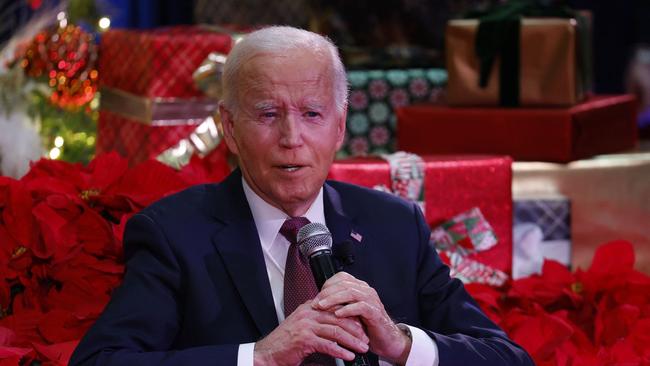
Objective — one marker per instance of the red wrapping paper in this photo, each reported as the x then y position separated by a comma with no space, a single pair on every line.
159,62
134,140
155,65
604,124
452,185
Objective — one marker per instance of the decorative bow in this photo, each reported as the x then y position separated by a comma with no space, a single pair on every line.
457,239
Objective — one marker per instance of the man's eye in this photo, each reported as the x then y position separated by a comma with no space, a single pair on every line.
269,114
312,114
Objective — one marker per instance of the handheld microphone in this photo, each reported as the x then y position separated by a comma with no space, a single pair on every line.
315,243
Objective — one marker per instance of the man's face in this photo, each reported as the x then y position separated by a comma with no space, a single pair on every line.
287,129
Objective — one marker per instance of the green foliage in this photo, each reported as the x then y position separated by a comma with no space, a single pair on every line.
76,126
83,11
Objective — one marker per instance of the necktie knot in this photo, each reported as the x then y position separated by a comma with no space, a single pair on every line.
291,227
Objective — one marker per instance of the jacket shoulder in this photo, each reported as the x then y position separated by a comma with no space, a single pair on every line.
369,200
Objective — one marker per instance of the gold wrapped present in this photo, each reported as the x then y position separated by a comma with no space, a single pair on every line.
548,72
610,200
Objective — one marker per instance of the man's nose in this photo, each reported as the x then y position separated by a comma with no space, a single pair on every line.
290,131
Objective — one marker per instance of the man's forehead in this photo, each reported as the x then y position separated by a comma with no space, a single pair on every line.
300,68
307,79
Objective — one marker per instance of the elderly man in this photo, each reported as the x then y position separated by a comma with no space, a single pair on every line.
213,274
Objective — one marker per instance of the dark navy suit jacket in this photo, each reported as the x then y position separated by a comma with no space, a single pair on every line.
196,285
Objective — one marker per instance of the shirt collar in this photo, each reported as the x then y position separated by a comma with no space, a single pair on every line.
269,219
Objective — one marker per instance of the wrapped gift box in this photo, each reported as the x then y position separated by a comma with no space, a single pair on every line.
541,230
149,100
374,95
600,125
452,185
610,200
547,63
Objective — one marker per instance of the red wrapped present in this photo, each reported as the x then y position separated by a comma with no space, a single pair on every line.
452,185
157,63
600,125
149,100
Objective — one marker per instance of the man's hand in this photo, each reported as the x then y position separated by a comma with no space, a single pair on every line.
349,297
309,330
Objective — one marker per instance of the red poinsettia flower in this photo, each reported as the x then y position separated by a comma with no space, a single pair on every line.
621,353
16,207
89,183
24,323
12,261
118,229
539,332
12,355
640,337
612,324
555,286
95,235
56,234
611,268
60,325
55,354
212,168
146,183
86,285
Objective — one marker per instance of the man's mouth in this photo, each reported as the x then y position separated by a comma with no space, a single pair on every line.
290,168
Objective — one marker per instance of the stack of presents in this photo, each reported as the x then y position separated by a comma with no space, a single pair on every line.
509,154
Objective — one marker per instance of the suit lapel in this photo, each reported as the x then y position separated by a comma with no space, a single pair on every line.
238,244
341,225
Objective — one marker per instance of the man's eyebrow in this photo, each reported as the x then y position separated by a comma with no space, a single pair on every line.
264,105
314,105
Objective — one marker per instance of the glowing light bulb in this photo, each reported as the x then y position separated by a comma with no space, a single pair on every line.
104,23
58,141
55,153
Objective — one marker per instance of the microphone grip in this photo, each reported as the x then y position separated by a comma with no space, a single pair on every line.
322,268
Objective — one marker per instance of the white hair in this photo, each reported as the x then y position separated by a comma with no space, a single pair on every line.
278,40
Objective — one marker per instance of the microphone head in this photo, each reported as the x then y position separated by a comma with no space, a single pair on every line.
313,238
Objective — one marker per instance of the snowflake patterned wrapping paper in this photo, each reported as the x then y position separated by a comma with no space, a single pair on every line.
374,96
452,185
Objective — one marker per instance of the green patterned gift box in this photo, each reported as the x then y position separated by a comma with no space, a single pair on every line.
374,96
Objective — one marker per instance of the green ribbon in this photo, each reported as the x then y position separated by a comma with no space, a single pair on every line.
498,35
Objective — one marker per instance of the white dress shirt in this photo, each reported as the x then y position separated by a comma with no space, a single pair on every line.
269,220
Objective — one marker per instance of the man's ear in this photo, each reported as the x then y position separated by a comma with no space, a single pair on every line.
340,130
228,125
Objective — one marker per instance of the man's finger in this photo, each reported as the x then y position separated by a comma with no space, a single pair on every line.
340,336
363,310
342,296
351,325
338,277
331,348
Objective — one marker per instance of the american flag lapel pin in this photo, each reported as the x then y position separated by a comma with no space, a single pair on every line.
356,236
